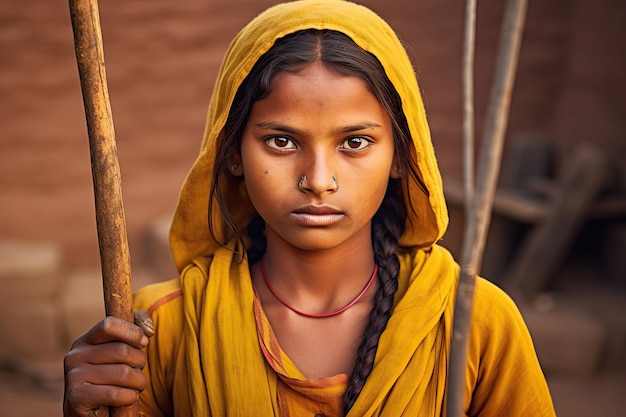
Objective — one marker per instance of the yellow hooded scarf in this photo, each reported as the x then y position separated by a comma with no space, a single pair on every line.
206,359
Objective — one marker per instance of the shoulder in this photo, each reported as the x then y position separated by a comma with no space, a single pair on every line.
488,296
497,324
164,302
495,312
162,294
503,372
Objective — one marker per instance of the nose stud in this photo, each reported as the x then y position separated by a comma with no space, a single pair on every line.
333,179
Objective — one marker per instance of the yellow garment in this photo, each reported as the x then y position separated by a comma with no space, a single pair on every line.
222,371
298,395
189,235
207,356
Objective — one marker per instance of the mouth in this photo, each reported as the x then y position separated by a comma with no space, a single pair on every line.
315,215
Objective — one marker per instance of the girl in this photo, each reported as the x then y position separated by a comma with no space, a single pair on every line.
311,282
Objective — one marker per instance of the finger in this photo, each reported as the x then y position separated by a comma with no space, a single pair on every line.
89,400
87,389
113,329
144,321
83,411
116,375
107,353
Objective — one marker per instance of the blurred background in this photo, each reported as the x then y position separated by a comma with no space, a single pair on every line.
558,236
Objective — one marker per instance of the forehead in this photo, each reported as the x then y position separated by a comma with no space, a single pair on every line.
317,72
317,85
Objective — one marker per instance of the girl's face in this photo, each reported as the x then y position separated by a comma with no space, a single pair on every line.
316,155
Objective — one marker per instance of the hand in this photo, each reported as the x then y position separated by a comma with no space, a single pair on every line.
103,367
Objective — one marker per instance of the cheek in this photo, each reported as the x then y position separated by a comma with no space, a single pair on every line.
265,190
366,192
377,196
374,187
247,152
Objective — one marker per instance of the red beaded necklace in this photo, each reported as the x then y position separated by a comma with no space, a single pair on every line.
317,316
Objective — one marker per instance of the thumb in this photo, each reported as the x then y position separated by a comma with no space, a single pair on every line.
144,321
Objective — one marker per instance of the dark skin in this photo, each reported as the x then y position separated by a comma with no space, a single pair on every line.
103,367
319,251
306,340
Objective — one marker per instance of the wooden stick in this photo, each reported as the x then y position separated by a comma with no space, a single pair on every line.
479,211
469,43
110,220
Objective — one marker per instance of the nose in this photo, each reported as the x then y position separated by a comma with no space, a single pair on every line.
319,176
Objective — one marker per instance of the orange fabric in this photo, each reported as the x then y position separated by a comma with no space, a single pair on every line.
297,395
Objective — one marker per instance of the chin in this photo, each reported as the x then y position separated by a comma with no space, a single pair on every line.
314,243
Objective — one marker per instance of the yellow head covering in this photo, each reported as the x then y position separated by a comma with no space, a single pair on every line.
205,358
189,235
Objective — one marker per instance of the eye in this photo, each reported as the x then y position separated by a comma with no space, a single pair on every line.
355,143
280,143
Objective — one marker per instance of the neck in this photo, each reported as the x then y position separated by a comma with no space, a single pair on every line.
320,280
318,315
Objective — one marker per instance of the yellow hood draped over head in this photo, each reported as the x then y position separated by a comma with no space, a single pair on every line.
207,357
189,234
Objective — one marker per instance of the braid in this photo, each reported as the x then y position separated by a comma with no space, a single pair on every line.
387,227
258,243
339,53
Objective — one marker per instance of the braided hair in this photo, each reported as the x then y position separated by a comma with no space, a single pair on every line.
387,227
339,53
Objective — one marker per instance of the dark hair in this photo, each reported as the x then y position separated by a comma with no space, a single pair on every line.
339,53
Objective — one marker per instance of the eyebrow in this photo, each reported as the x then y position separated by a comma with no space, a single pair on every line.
346,129
362,126
276,126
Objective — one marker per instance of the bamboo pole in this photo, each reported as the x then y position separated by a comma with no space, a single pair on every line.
110,220
479,203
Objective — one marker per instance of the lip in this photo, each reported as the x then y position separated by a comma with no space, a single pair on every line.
317,215
317,210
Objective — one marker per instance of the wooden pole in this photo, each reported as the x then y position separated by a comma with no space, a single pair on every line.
478,212
469,46
110,220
